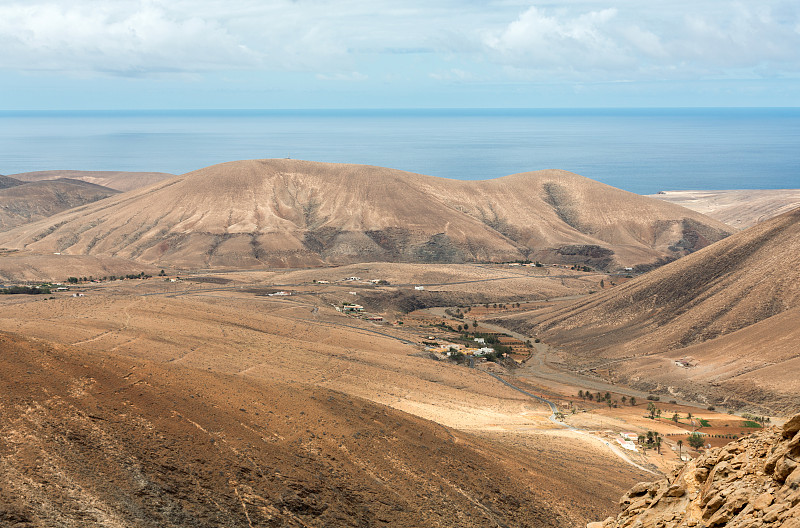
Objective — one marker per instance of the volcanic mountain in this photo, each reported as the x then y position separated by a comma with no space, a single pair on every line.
298,213
26,202
118,180
720,324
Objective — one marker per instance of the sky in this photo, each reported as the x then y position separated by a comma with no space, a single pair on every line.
214,54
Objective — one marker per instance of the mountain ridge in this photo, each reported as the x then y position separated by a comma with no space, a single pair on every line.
30,201
118,180
288,213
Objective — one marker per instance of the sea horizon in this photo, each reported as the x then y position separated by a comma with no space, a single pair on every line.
642,150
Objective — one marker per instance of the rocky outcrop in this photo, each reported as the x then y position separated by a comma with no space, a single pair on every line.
749,483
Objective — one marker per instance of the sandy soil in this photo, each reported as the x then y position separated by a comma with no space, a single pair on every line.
98,439
223,329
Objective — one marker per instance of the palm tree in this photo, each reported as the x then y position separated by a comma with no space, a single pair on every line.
680,444
658,442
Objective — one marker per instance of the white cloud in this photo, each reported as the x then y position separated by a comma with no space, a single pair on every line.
454,75
586,40
96,37
538,40
652,42
350,77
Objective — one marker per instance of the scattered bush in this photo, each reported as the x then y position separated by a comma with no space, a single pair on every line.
25,290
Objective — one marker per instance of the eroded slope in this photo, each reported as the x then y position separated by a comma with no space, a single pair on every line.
104,440
292,213
731,306
28,202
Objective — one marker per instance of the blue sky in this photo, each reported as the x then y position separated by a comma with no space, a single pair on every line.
90,54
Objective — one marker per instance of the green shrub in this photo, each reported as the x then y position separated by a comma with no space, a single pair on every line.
695,440
25,290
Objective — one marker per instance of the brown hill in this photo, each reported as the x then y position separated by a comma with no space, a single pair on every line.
297,213
737,208
7,181
96,439
731,309
118,180
27,202
752,482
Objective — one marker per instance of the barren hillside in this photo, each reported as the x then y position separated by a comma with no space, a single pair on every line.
737,208
97,439
23,266
28,202
730,308
7,181
118,180
295,213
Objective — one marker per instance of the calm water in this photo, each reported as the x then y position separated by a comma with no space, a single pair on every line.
642,151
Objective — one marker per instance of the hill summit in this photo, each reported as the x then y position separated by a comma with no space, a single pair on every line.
299,213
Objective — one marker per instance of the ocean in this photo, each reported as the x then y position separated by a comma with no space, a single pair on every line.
639,150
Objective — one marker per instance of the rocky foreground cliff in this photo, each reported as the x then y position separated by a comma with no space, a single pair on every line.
749,483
